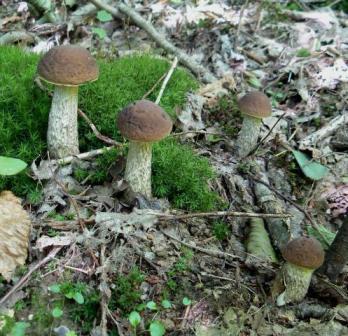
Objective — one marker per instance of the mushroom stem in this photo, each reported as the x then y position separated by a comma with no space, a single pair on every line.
138,167
62,133
248,136
296,280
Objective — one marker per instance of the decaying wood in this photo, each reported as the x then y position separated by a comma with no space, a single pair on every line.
14,234
278,228
313,139
337,255
15,36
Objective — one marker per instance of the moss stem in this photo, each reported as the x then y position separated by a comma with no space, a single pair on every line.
138,167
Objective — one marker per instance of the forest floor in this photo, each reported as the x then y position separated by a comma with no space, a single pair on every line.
142,271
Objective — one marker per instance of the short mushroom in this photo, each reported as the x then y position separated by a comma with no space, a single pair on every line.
255,106
143,123
302,257
66,67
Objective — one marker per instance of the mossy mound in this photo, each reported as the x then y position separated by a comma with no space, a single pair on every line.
24,112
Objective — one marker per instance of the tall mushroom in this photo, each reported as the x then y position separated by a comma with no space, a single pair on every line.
255,106
143,123
302,257
66,67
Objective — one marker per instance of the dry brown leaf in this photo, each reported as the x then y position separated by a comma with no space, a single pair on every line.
14,234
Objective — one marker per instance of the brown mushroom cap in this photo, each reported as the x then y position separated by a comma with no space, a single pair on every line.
144,121
304,252
255,104
68,65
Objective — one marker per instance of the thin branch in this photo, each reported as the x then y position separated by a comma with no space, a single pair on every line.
83,156
184,58
26,277
213,253
241,14
166,80
223,214
100,136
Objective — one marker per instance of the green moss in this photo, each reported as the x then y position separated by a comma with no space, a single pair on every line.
179,174
182,176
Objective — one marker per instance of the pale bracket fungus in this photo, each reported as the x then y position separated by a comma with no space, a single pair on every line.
66,67
14,232
143,123
302,257
254,106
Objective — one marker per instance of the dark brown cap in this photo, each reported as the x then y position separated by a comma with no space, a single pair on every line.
255,104
68,65
144,121
304,252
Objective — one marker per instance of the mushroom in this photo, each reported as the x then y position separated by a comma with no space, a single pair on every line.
255,106
143,123
66,67
302,257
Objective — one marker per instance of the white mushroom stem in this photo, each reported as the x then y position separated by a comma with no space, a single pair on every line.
296,280
248,136
62,133
138,167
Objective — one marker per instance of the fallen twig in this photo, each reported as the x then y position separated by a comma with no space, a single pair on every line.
26,277
96,132
103,302
185,59
223,214
213,253
83,156
166,80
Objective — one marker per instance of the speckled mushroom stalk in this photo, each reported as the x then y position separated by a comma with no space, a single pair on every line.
255,106
66,67
302,257
143,123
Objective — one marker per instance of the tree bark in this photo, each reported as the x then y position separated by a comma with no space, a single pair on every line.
337,255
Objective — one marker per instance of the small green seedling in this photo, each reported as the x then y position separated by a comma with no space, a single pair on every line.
157,328
186,301
57,312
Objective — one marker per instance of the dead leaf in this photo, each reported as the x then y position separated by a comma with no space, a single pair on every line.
14,232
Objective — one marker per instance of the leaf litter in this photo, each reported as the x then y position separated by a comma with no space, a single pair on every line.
298,58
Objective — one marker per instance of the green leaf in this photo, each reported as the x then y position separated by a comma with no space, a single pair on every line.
186,301
140,307
166,304
100,32
134,319
78,297
104,16
57,312
310,168
11,166
325,236
19,329
55,288
151,305
71,333
157,328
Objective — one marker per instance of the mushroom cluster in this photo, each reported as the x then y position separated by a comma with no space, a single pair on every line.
66,67
143,123
302,257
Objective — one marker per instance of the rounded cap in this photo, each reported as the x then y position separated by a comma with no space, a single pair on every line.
144,121
255,104
304,252
68,65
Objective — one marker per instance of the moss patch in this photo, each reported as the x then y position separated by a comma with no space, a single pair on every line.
24,113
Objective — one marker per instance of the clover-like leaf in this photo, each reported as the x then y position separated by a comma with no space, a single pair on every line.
10,166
